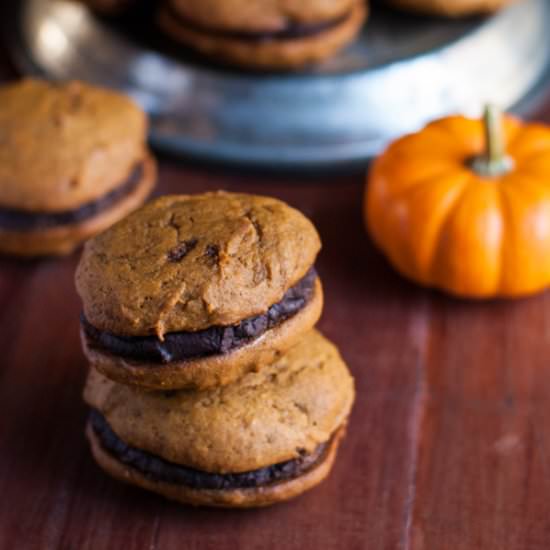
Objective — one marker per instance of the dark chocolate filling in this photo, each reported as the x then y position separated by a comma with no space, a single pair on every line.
180,346
292,31
158,469
19,220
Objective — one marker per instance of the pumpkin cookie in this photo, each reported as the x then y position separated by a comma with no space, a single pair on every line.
451,8
264,35
268,437
194,291
73,160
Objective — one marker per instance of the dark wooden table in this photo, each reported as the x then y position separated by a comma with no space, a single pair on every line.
448,446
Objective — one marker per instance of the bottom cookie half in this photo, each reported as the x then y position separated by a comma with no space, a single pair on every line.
143,470
213,370
63,238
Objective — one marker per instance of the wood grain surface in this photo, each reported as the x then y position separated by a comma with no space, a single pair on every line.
447,447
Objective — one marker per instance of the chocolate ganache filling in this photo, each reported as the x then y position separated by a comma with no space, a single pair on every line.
20,220
158,469
181,346
292,31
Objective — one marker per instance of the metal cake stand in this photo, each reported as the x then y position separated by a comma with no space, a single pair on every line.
400,73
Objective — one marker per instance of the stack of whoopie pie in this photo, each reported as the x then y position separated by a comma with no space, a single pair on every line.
73,160
209,384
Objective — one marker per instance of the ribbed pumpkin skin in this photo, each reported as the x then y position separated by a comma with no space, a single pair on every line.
444,226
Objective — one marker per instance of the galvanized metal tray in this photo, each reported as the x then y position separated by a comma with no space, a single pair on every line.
401,72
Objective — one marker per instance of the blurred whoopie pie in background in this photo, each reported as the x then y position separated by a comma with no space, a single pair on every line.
277,35
73,160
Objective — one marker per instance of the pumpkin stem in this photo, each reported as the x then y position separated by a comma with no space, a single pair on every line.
494,162
494,141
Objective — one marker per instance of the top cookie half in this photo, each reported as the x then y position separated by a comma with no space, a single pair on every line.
185,263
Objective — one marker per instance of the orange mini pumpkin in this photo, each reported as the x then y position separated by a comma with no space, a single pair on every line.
464,206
